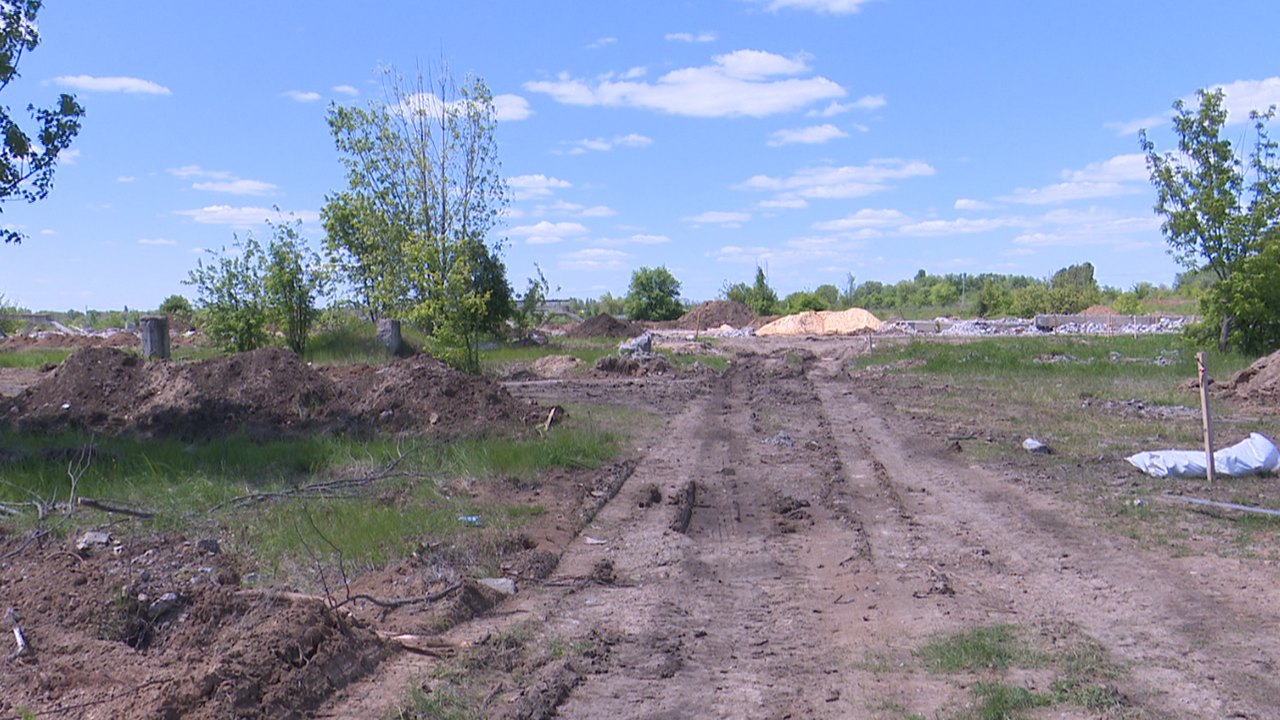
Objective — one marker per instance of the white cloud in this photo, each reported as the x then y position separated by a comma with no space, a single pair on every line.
1110,178
578,147
1092,226
843,182
1121,168
959,226
125,178
222,181
636,239
112,84
1242,96
545,233
237,187
867,102
243,217
535,186
865,218
602,42
69,156
702,37
812,135
49,232
1131,127
717,217
1239,98
1066,192
794,203
563,208
746,82
594,259
826,7
510,107
348,90
971,204
304,96
156,241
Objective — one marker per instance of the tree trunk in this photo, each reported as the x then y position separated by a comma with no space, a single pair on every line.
1225,334
155,337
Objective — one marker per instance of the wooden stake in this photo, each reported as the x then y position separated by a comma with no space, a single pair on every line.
1203,374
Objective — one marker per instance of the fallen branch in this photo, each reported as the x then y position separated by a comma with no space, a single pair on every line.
98,505
389,603
326,490
1223,505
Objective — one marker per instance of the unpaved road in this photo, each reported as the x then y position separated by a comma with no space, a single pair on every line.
829,539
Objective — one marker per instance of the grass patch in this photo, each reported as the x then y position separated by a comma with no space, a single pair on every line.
987,648
33,357
366,527
986,656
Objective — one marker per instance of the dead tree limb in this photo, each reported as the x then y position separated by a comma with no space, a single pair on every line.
99,505
325,490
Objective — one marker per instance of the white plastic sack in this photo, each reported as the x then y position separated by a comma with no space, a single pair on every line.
1257,454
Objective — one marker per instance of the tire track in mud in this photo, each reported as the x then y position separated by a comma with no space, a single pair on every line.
1011,555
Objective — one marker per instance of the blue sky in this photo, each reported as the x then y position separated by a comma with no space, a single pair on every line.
816,138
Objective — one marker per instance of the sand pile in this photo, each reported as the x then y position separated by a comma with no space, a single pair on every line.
824,322
1098,311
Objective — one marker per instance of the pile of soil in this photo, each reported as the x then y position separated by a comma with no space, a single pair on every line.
824,322
554,366
604,325
159,628
634,366
266,393
1258,384
716,313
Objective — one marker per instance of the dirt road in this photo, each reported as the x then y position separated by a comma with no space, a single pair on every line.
830,539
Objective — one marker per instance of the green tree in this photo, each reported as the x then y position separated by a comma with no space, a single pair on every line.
530,311
1218,205
244,292
229,296
829,294
293,280
176,305
410,234
803,300
761,298
27,163
654,294
943,293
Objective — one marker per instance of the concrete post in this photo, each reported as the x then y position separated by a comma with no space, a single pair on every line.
155,337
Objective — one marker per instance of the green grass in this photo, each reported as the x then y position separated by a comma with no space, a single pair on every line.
987,655
988,648
366,527
32,358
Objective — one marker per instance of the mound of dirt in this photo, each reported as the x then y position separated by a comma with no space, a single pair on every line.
824,322
1258,384
267,393
157,628
418,393
715,313
634,366
1098,311
554,366
604,325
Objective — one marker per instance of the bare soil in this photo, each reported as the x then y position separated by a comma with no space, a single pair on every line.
266,393
778,546
604,325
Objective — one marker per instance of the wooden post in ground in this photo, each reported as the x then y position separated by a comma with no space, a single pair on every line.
155,337
1203,374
